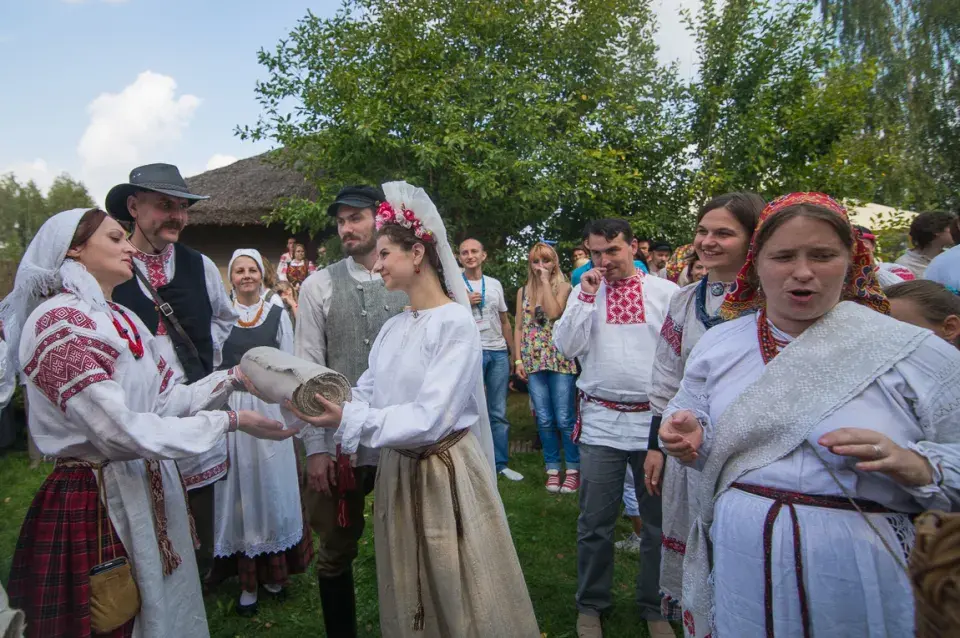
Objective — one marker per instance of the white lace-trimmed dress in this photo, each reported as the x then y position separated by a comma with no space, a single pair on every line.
854,588
259,526
93,401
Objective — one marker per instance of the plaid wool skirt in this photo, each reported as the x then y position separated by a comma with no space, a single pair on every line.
58,547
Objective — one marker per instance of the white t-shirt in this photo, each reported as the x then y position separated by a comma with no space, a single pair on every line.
488,321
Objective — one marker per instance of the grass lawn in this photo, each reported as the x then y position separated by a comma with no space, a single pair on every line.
543,527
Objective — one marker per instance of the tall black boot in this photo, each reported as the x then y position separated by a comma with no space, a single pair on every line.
339,602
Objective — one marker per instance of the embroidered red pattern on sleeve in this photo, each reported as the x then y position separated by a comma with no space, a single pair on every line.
64,313
672,334
64,364
625,302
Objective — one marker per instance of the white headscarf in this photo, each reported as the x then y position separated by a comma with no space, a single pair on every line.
43,271
252,254
403,195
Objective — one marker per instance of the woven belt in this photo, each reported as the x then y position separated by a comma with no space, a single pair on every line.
69,463
168,555
619,406
441,449
790,499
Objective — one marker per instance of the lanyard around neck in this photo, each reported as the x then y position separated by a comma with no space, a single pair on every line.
483,289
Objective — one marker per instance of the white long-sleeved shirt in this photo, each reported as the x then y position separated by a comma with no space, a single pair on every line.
614,335
422,383
160,270
90,398
310,343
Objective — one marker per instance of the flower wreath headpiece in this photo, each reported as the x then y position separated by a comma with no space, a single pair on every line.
387,214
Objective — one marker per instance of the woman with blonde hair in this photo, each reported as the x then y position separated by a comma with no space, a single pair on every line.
550,376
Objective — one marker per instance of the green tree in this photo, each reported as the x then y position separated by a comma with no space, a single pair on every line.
66,193
23,209
775,109
914,98
521,118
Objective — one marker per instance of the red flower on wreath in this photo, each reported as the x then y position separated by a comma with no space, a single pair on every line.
405,218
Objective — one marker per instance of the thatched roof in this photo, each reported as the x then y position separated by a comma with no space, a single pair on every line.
245,191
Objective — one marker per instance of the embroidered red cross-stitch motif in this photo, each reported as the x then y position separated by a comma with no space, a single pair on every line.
166,381
76,362
625,302
63,313
673,544
161,365
156,266
673,334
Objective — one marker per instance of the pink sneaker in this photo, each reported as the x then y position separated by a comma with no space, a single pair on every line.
553,481
571,483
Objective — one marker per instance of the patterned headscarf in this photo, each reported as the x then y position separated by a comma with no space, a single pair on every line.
861,286
678,261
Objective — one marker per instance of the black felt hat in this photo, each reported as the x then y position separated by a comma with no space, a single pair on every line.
159,178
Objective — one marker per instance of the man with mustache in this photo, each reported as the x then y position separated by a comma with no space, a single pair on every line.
154,203
342,308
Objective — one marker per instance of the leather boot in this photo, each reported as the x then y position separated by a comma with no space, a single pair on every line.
339,602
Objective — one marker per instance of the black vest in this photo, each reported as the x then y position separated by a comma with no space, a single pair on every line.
187,295
243,339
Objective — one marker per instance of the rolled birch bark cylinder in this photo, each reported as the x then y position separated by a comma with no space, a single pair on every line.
279,376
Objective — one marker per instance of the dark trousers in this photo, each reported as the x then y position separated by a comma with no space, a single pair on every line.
202,503
602,472
338,545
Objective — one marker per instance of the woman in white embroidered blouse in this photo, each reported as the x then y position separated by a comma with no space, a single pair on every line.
106,405
446,565
819,427
259,527
724,228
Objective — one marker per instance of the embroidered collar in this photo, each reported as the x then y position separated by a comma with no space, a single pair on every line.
629,282
700,303
161,259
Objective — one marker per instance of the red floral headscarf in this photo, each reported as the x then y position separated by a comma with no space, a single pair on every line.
861,286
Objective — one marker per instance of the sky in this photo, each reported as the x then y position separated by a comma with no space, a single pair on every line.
96,87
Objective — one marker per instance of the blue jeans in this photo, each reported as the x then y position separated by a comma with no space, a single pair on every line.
496,379
553,395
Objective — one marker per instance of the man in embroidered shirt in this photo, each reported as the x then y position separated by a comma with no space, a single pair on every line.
489,306
611,324
342,308
155,203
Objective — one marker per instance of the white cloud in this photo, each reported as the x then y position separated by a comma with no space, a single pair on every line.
219,160
132,127
37,170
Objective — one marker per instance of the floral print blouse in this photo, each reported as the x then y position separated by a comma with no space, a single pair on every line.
536,344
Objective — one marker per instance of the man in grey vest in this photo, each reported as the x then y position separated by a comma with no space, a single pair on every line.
342,309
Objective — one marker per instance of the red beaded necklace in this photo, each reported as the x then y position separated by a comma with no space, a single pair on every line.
770,346
136,344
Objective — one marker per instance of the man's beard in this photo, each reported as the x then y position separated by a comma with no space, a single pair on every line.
362,248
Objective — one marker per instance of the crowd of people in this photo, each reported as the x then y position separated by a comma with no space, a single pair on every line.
770,404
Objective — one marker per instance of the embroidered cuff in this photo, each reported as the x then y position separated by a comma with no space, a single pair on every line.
233,374
587,298
233,421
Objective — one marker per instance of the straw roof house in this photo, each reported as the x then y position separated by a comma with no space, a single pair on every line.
241,195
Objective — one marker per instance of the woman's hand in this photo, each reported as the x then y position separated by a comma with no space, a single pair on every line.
248,385
877,453
682,436
543,274
653,471
259,426
520,371
332,413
